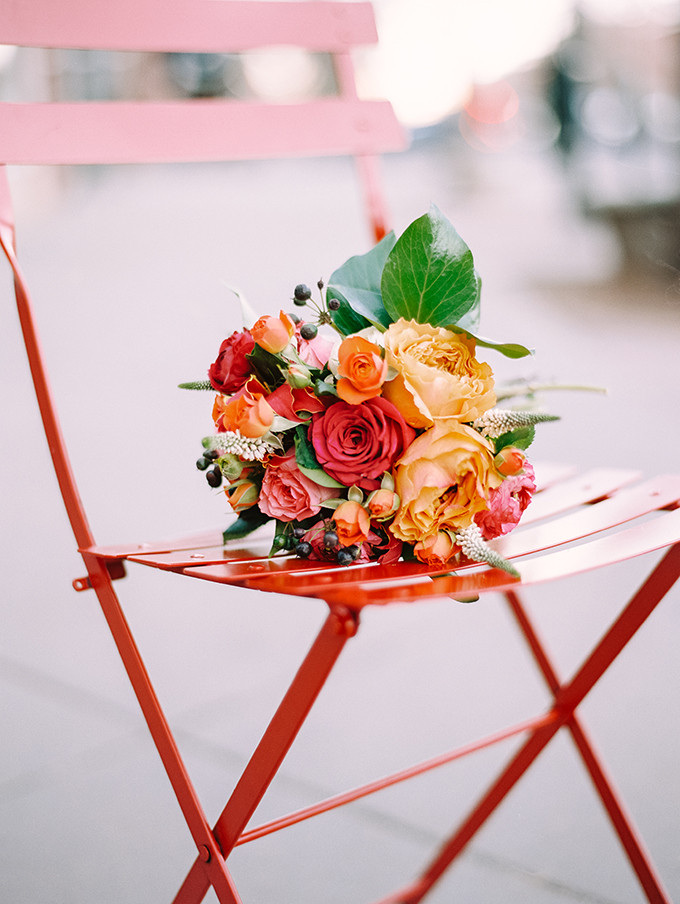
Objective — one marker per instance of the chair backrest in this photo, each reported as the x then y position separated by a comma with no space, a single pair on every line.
197,129
200,129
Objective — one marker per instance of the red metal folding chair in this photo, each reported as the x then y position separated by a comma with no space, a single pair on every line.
576,523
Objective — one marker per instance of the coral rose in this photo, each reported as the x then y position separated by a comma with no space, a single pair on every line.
438,374
356,444
444,479
247,413
352,523
231,369
287,494
361,369
273,334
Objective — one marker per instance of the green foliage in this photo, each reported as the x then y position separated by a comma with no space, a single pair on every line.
427,275
521,438
356,285
196,384
269,369
430,275
247,521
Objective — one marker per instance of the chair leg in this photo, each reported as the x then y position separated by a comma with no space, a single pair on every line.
567,698
212,865
263,765
620,819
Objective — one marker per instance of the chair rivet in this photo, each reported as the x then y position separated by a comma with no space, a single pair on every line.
204,853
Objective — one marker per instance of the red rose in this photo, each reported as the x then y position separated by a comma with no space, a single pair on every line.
231,369
356,444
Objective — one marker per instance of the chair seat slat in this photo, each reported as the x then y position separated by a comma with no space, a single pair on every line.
609,550
624,506
576,491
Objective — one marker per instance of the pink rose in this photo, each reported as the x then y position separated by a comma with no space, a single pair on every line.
314,352
356,444
506,504
287,494
231,368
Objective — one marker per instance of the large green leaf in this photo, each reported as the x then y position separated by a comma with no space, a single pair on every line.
430,275
357,283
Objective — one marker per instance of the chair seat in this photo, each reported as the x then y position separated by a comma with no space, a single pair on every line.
575,523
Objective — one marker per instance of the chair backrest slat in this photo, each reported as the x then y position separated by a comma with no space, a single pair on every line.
209,26
193,130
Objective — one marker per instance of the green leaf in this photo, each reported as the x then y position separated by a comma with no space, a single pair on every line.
509,349
248,521
268,368
304,451
521,438
357,283
318,475
346,319
430,275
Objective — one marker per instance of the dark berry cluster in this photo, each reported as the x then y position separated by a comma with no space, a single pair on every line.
344,555
213,472
302,296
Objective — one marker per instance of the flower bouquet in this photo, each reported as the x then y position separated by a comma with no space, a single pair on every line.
369,430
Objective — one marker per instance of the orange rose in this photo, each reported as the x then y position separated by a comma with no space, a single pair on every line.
273,333
437,549
443,479
438,374
247,413
361,369
352,523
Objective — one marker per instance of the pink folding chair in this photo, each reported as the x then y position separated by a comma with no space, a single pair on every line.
576,522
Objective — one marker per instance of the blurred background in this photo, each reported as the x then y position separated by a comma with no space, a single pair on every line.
549,134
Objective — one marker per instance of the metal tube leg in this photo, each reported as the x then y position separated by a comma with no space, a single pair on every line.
567,698
620,819
209,854
340,625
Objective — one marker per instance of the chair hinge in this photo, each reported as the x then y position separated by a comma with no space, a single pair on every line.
115,568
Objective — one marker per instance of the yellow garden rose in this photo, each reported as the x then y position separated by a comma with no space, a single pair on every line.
443,480
438,374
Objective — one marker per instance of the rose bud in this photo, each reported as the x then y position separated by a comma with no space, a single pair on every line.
382,504
352,523
509,461
437,549
242,495
232,466
273,334
298,376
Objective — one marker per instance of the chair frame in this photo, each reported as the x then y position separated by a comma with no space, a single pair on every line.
585,509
